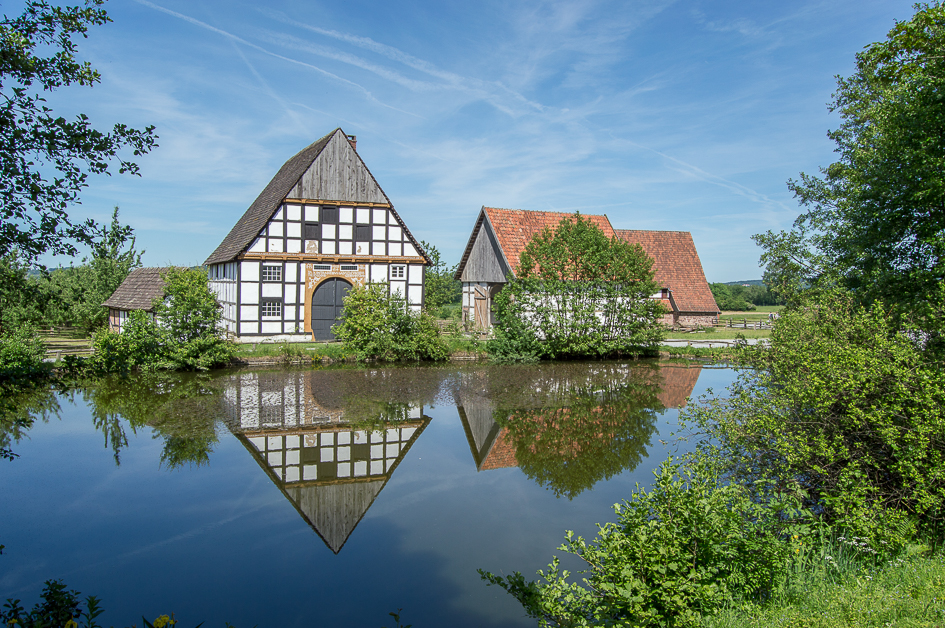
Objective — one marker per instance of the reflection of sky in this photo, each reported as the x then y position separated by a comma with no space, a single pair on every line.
221,542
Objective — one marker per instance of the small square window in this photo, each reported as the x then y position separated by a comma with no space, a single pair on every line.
270,307
398,272
272,272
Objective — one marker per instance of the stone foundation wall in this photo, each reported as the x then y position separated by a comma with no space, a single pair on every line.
695,320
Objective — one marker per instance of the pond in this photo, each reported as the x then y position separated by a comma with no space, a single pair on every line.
330,496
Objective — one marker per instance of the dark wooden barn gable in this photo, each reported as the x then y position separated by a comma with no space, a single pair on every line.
485,262
338,174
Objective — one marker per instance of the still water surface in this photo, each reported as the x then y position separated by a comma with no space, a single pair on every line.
330,497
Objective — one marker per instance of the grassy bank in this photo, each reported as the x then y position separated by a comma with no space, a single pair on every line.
828,592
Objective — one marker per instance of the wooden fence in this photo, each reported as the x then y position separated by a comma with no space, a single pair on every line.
63,341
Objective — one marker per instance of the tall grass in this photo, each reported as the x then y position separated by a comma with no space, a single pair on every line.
841,583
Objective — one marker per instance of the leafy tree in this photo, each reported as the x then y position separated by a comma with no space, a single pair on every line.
45,159
439,286
377,325
74,295
578,293
874,221
21,299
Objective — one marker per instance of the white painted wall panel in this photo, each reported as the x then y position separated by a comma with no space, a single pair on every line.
293,230
272,290
380,216
293,212
378,273
395,249
346,214
249,312
415,295
278,215
311,213
258,246
415,273
328,232
380,233
250,292
344,248
275,229
390,219
399,287
293,246
249,328
364,216
345,232
271,327
249,271
290,272
291,293
395,234
409,250
275,246
379,248
328,247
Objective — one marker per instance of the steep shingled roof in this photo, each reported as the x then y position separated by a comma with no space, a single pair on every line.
257,216
677,267
139,290
514,228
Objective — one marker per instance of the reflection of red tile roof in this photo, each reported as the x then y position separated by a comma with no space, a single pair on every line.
677,267
678,382
501,454
514,228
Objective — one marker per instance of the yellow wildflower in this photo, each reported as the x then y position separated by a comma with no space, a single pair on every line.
162,621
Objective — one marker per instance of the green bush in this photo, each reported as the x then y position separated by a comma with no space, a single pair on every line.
22,355
183,334
686,548
850,409
379,326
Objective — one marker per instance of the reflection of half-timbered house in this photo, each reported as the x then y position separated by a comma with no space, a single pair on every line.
499,236
331,471
321,226
490,443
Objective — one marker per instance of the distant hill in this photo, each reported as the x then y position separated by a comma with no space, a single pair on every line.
747,282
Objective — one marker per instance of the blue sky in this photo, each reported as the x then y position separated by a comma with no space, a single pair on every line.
663,115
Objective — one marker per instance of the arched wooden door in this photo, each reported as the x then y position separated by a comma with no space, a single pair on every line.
327,302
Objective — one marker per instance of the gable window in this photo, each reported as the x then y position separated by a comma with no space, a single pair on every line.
362,233
312,232
271,308
398,272
330,215
272,272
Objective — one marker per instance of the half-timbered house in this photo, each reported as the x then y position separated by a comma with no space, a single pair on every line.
321,226
499,236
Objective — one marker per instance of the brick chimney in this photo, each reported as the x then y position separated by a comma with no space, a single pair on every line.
353,140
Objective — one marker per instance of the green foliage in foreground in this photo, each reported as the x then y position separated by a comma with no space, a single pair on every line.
686,548
577,293
850,409
184,333
379,326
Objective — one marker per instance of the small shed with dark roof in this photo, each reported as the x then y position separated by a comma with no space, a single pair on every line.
138,291
491,259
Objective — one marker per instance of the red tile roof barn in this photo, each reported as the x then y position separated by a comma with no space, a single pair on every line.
677,267
514,228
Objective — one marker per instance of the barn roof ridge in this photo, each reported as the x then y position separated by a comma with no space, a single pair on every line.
139,289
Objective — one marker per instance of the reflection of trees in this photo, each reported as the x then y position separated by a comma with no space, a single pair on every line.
180,408
572,425
20,406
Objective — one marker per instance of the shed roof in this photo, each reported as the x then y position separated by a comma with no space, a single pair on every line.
270,199
139,290
677,266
